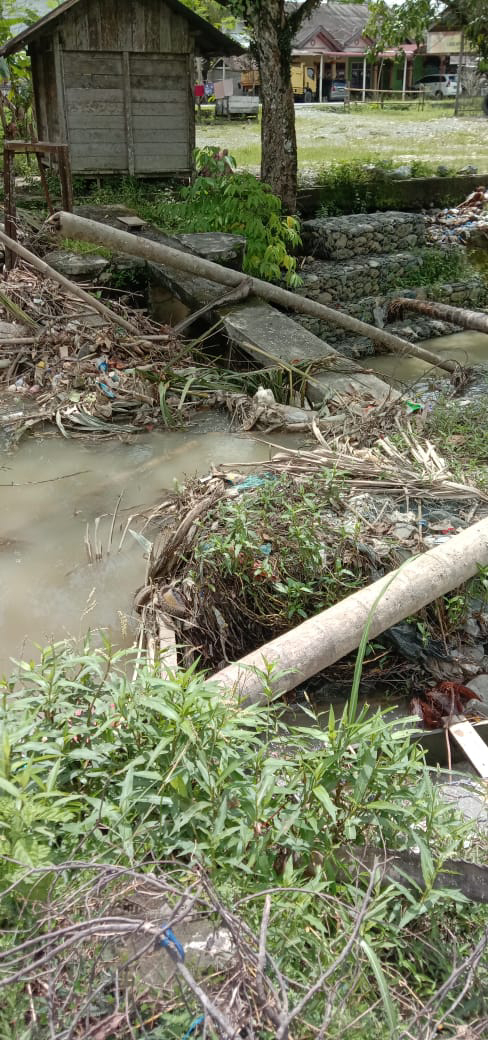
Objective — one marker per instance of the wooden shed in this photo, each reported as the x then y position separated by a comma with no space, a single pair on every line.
114,80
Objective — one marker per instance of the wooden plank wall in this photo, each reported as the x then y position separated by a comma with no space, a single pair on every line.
124,85
45,94
95,111
128,112
160,112
131,25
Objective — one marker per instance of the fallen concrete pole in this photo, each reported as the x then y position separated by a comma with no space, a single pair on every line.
75,290
91,231
331,635
462,316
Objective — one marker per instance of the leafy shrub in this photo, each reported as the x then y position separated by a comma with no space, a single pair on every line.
169,767
242,205
132,772
358,187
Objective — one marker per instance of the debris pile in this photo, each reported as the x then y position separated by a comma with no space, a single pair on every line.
62,363
238,560
457,224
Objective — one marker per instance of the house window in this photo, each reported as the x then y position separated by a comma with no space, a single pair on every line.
357,74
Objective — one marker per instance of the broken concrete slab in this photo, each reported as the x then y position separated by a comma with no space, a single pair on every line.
258,327
193,291
77,265
217,246
265,333
361,384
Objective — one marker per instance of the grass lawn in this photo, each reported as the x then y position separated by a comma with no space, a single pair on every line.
330,134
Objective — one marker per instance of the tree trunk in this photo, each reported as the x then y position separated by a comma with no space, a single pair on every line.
329,636
278,136
462,316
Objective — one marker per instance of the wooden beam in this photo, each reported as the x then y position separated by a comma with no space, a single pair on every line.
129,124
65,179
31,146
9,206
60,91
471,744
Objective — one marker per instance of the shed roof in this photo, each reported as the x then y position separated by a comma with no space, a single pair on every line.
208,39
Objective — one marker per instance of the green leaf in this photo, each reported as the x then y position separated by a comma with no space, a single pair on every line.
426,862
165,409
324,798
5,785
388,1004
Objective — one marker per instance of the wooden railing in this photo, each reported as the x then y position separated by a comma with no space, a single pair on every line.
372,96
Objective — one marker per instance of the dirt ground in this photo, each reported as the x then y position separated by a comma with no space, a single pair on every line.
327,134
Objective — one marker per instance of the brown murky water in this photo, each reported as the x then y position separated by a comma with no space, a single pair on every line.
47,588
469,348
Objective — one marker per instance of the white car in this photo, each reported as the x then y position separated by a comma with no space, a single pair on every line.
438,86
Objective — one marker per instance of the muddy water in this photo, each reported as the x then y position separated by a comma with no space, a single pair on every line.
468,348
47,589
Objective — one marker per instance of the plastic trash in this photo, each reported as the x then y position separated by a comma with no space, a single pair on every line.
106,390
254,482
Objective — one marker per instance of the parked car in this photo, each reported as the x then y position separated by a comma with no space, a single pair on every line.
337,90
438,86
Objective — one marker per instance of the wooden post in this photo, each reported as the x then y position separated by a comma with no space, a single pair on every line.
363,92
65,180
60,94
459,71
321,74
129,126
45,185
191,112
9,205
404,84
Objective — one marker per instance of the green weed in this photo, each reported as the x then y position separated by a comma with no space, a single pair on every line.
105,769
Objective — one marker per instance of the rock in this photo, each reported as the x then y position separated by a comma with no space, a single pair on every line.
402,172
480,686
468,169
324,297
468,800
76,265
472,628
403,532
442,171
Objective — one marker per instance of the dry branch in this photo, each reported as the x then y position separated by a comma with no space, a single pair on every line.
49,272
462,316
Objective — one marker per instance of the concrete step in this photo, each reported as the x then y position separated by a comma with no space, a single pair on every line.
339,284
362,235
268,336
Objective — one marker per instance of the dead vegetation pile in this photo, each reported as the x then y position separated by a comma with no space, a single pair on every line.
238,559
63,363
